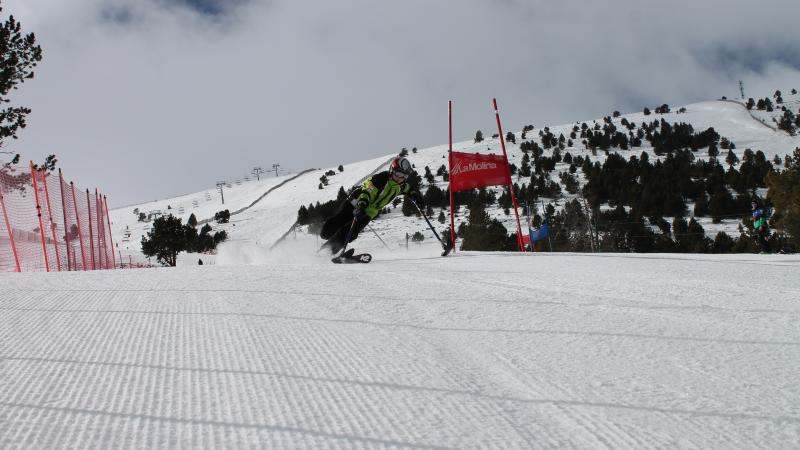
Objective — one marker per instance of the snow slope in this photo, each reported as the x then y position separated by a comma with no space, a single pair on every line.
256,229
127,230
411,351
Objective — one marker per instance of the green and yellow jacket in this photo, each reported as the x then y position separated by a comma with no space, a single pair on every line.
378,191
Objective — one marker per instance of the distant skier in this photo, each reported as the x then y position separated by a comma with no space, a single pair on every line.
366,202
760,226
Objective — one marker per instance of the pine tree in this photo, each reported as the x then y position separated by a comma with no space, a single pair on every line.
222,216
303,216
192,222
784,193
731,158
408,208
341,195
478,136
19,55
166,239
220,236
722,243
483,233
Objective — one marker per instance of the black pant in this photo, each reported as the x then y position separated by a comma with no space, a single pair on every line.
763,242
336,228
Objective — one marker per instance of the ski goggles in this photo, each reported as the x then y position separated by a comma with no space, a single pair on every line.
399,175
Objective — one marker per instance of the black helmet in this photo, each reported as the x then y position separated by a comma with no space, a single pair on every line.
400,168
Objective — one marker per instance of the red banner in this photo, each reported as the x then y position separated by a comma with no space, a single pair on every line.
474,170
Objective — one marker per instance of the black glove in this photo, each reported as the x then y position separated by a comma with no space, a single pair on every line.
359,210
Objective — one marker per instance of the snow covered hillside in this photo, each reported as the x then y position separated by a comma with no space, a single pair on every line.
475,350
259,220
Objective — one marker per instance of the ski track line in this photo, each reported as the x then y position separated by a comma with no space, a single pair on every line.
604,429
449,359
591,420
731,394
599,432
523,289
398,337
473,411
237,367
430,328
634,309
608,434
70,414
162,380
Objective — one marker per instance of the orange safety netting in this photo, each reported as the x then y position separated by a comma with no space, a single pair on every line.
49,225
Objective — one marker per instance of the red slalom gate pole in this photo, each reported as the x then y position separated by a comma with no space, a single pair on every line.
101,231
450,166
78,222
110,236
91,236
64,215
50,215
39,213
510,184
10,231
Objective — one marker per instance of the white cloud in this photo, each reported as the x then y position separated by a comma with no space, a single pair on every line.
138,90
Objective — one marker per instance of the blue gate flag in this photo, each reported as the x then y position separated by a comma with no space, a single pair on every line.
539,234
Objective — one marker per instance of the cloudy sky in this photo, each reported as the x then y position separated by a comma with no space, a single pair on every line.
152,98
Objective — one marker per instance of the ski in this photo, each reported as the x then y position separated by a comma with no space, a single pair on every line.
349,258
447,248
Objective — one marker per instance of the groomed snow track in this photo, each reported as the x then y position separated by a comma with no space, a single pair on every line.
475,350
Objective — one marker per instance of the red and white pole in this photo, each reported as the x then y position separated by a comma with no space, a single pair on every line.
510,185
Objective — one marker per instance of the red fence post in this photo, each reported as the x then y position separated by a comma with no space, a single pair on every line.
78,222
510,185
110,236
98,231
101,229
50,217
64,214
39,214
10,231
91,236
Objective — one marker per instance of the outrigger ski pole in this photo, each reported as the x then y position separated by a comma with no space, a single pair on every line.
379,237
446,247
